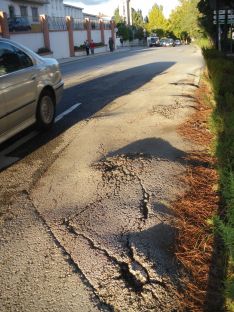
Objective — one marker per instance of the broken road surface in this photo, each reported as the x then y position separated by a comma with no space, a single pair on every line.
104,200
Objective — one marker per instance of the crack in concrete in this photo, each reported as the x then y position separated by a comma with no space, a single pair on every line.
69,259
119,169
145,202
87,207
134,273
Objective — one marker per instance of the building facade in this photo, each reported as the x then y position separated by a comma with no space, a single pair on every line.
46,26
73,11
125,11
30,9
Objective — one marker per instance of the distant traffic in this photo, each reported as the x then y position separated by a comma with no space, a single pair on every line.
154,41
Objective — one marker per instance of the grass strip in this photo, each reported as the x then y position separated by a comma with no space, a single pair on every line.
221,75
196,246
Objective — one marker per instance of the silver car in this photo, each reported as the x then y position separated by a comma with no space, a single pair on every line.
30,88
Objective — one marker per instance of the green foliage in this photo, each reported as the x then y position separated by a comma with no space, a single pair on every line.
124,31
146,20
137,18
43,50
138,32
127,32
159,31
138,24
184,20
206,18
221,73
117,18
205,43
156,19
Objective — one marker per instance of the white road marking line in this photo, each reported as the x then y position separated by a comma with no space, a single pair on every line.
28,137
66,112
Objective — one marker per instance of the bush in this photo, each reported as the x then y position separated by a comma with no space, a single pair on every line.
99,44
43,50
82,46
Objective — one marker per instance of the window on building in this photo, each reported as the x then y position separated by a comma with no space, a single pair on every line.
11,11
35,15
23,11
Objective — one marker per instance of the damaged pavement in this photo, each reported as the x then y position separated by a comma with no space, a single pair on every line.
89,216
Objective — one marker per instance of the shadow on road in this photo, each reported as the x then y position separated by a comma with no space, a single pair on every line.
158,242
93,95
153,148
158,148
100,60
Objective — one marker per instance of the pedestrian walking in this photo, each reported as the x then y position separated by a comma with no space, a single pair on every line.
92,46
111,44
87,46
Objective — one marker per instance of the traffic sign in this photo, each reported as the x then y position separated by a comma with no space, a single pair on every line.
224,16
221,17
221,22
220,11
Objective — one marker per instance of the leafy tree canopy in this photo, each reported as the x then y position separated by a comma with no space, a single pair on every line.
185,19
137,18
137,24
117,18
156,18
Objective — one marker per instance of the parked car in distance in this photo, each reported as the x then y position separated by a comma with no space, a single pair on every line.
153,41
170,42
177,42
18,24
162,42
166,42
30,88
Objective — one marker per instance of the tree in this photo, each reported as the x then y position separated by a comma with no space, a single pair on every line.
146,20
138,24
185,20
137,18
206,18
206,8
156,19
117,18
124,31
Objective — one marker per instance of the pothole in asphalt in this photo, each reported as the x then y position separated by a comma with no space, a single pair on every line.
168,111
122,236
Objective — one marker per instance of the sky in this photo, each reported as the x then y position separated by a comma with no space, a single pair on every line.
108,6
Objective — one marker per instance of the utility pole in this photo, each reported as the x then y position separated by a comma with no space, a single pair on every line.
218,31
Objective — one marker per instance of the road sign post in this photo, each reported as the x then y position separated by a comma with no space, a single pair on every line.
222,17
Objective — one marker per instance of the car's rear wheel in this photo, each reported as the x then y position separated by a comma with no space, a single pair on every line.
46,110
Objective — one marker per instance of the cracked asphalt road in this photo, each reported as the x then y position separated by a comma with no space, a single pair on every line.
86,218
